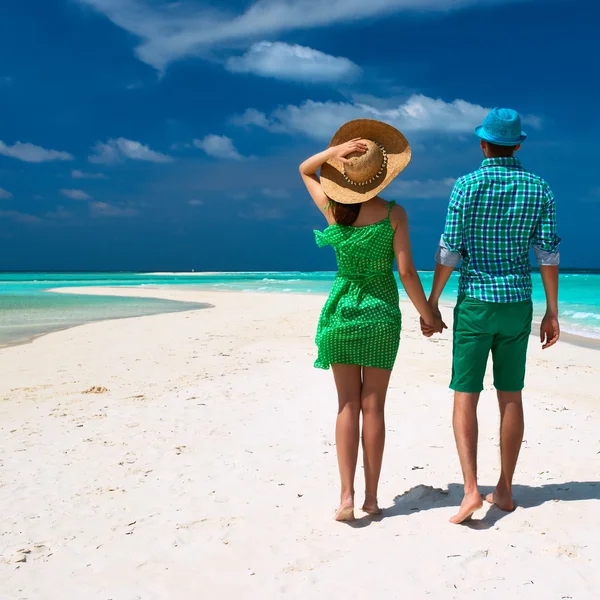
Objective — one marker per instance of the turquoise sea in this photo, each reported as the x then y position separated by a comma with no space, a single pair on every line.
28,310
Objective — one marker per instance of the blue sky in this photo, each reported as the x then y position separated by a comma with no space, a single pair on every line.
155,135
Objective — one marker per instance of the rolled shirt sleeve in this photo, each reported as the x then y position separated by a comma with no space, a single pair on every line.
545,239
446,257
449,251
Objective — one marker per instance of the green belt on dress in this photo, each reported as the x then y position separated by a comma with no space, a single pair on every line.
361,277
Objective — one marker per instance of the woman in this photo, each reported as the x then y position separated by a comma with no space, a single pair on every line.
359,329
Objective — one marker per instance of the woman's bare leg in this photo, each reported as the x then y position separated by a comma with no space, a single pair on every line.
347,433
374,390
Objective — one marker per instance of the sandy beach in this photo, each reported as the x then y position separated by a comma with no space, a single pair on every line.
204,467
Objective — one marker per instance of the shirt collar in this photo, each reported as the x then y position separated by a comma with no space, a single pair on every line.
502,162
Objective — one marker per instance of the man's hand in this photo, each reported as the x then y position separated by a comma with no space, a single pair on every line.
436,326
549,331
426,330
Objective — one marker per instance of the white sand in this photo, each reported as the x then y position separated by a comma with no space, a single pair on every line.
208,469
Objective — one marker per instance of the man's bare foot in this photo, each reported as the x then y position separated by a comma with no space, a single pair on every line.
502,499
371,507
346,510
471,503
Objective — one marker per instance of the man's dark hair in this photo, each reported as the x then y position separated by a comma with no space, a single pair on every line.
496,151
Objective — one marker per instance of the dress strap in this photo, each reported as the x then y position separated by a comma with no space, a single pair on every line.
391,205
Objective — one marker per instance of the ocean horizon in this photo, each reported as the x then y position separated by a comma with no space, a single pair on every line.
28,309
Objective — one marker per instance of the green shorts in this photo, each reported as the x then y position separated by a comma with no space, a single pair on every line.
503,328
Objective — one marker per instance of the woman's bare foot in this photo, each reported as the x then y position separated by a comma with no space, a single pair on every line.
371,506
502,499
346,510
471,503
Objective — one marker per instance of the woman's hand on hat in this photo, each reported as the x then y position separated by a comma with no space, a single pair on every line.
340,152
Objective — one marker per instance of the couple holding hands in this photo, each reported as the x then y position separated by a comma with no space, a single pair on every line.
496,215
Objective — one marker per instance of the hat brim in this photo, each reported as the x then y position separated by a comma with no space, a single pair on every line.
398,152
482,134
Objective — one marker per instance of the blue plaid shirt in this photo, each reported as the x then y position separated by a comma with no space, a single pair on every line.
495,216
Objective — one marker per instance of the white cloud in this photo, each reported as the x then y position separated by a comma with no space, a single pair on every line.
121,149
82,175
76,194
219,146
239,195
102,209
532,120
19,217
276,194
320,120
592,197
5,195
251,116
430,188
295,63
170,31
181,146
60,213
262,213
195,202
31,153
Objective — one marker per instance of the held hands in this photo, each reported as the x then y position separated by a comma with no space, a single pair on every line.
436,325
340,152
549,331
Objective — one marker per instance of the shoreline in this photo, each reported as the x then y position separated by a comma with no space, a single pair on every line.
163,293
64,327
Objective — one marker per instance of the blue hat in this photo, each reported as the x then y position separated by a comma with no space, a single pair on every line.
502,127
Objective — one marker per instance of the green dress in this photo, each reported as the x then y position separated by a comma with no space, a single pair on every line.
360,322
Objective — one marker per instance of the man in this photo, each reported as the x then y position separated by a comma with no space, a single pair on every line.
495,216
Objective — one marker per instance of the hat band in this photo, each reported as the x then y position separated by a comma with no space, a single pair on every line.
375,177
498,140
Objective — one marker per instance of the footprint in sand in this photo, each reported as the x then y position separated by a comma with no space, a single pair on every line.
424,495
96,389
28,554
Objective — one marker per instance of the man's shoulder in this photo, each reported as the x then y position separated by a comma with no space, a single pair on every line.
469,179
533,178
477,177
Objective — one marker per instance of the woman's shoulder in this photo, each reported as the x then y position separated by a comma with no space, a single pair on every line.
397,214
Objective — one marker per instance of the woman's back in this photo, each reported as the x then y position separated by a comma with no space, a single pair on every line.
365,248
371,212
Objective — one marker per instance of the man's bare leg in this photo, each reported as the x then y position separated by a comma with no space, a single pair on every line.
466,431
512,425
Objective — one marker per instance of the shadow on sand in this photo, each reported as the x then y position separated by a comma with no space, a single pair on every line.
422,497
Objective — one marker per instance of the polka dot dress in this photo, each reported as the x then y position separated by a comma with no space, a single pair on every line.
360,322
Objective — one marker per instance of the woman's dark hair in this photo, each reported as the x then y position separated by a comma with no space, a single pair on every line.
344,214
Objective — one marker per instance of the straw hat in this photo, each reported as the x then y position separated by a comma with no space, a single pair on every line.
388,153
